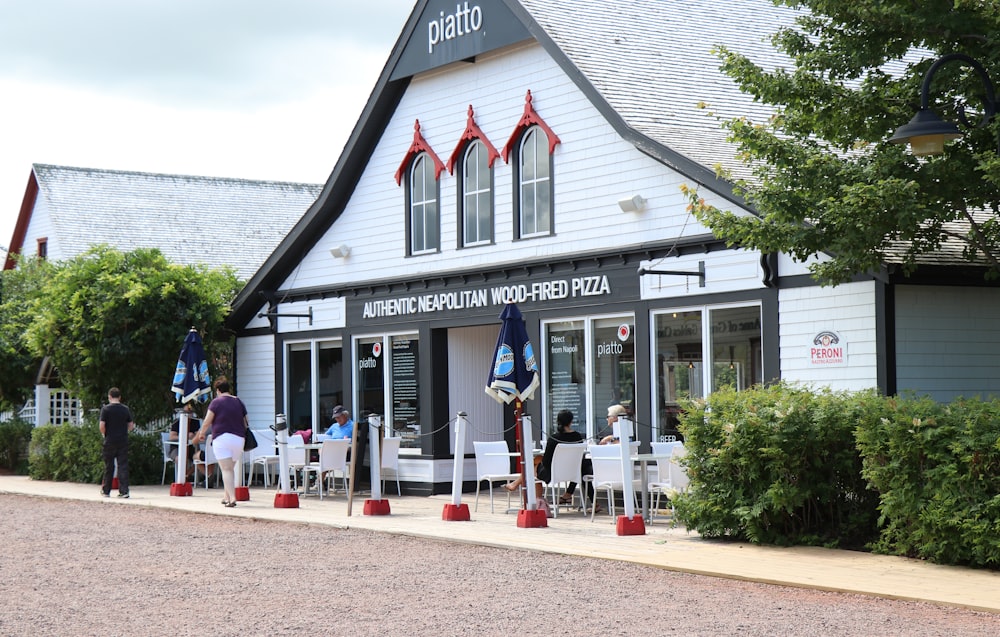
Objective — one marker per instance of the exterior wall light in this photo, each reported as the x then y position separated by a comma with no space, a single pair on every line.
635,203
926,133
341,251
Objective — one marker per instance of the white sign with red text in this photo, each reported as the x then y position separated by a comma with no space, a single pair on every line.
828,349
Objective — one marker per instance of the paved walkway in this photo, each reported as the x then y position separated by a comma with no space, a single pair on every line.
574,534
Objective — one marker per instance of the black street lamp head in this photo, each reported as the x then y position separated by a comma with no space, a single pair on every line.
926,133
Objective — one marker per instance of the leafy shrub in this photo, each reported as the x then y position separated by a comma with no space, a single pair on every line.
72,453
778,465
937,468
14,438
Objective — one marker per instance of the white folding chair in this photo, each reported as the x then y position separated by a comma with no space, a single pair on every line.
659,474
492,465
332,460
390,461
673,478
264,456
206,461
567,461
167,445
296,458
608,476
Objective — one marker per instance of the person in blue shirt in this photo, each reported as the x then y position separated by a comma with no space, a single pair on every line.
343,426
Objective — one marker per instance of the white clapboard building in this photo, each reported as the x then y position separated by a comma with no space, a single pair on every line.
535,151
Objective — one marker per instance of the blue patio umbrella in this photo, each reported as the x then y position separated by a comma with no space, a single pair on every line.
514,373
191,383
191,379
514,377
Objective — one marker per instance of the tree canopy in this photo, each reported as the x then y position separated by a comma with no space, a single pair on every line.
826,180
108,318
18,365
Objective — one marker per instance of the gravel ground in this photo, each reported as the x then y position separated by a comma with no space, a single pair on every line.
92,568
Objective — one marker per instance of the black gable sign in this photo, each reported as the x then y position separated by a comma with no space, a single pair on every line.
453,30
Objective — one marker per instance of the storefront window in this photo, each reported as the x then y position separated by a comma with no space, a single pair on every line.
733,354
405,417
314,383
736,354
299,388
566,378
677,359
614,368
398,402
322,379
331,382
589,365
370,385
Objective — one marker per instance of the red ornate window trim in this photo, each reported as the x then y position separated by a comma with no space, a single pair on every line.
418,146
528,119
472,132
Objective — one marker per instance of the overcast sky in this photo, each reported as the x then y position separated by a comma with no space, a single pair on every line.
259,89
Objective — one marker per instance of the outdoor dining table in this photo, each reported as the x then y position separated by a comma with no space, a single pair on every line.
644,459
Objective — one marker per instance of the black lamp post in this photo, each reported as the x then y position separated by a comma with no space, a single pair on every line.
926,132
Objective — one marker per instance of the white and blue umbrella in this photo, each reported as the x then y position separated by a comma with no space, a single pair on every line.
514,373
514,377
191,379
191,383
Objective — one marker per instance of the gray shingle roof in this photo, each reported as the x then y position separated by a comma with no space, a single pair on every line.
652,61
193,220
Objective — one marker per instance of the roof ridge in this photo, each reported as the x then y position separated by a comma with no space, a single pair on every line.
111,171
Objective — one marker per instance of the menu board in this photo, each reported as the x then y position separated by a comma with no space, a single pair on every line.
405,390
566,389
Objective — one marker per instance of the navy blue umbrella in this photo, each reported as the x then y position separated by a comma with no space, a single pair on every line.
191,380
515,372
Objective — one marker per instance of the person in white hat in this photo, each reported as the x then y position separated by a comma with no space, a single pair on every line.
614,411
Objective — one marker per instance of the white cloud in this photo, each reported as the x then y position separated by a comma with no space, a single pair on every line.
236,88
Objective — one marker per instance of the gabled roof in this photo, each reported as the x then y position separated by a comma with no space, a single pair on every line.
647,65
192,220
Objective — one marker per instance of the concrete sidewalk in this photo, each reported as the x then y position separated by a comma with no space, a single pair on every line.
574,534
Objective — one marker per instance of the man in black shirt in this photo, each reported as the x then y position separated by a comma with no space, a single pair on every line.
116,422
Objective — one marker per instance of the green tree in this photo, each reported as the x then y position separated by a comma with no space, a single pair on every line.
108,318
825,179
18,365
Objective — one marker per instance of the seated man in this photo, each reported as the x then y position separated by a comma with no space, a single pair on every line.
343,426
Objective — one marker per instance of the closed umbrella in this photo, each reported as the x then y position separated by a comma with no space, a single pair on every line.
514,377
514,374
191,380
191,383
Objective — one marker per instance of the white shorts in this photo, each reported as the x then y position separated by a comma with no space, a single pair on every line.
227,446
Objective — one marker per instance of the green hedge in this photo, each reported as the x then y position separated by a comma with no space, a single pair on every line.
778,465
937,468
14,438
899,475
72,453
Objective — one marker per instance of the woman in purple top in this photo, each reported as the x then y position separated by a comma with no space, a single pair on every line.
227,419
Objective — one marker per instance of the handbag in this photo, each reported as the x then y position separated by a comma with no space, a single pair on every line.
249,440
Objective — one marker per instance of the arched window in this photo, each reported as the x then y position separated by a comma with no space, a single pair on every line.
534,181
477,195
423,206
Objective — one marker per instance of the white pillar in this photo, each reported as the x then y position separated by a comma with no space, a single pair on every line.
528,458
180,467
375,454
623,431
43,405
461,424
